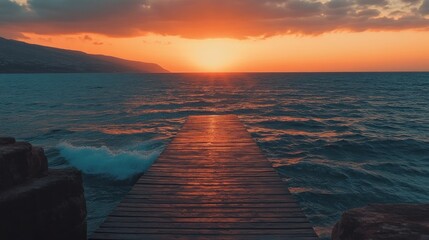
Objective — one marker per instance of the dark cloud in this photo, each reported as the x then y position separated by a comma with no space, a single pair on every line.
340,4
411,1
368,13
373,2
81,10
209,18
11,11
424,8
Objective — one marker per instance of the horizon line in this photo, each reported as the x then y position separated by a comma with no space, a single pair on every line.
227,72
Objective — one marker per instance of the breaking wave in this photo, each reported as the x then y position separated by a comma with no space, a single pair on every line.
120,165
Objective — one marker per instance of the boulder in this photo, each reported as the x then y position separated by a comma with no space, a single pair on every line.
38,165
37,203
51,207
7,140
384,221
19,162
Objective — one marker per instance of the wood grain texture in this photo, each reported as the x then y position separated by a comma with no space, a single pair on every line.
211,182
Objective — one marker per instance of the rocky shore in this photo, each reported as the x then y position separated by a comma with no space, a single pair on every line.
37,202
383,222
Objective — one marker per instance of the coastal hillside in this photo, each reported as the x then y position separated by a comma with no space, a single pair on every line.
20,57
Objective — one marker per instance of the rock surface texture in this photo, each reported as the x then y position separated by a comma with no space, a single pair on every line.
384,221
37,203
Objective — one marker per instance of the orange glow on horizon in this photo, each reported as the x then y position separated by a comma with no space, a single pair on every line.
331,52
213,55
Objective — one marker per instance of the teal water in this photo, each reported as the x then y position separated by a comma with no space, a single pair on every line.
340,140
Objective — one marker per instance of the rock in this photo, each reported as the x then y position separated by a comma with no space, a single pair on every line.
39,164
14,167
19,162
7,140
384,221
37,203
51,207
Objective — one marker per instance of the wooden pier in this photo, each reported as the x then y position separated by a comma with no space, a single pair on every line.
211,182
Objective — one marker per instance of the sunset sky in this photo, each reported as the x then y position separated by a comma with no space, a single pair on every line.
232,35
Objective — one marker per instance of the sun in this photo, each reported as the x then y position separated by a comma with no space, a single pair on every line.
214,55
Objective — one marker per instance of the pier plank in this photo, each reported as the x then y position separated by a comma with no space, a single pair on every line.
211,182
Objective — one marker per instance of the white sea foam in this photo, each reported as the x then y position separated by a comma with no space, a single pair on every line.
120,165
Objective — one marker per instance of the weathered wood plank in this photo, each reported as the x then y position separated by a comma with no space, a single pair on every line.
211,182
209,225
115,236
222,213
205,231
206,220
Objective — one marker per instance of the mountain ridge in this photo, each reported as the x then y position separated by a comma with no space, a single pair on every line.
21,57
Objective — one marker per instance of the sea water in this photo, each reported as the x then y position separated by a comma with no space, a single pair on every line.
340,140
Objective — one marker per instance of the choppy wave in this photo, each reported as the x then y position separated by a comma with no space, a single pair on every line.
120,164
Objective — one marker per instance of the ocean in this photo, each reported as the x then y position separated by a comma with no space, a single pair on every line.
340,140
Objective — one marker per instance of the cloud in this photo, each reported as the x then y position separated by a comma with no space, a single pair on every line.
411,1
424,8
211,18
373,2
11,11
